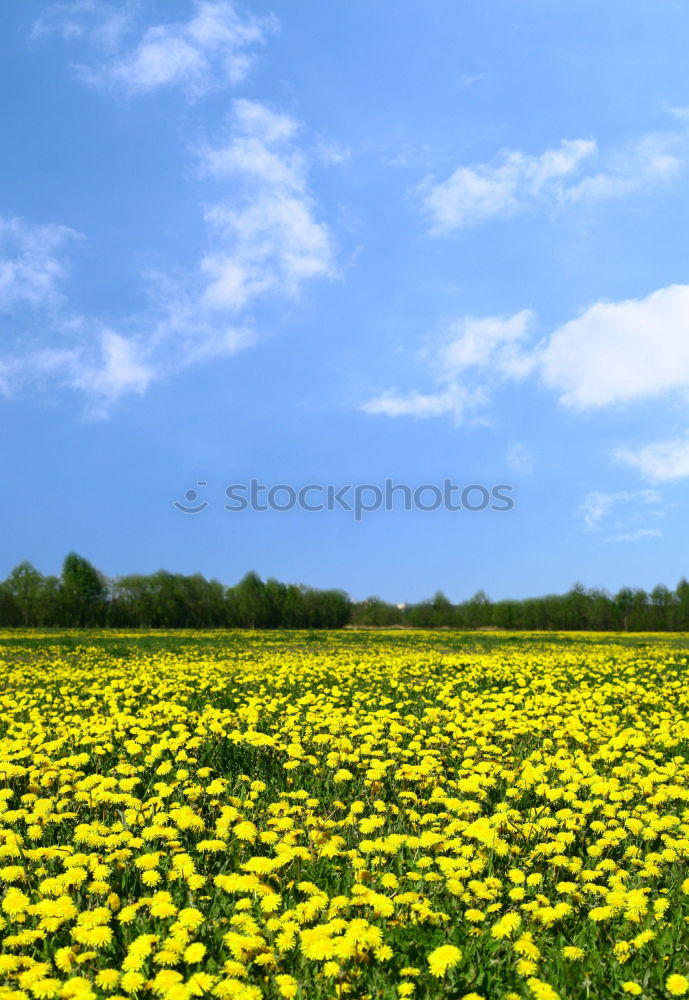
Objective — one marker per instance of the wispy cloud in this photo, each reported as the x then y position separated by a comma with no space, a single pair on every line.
265,241
475,193
102,364
211,49
635,536
328,152
660,461
32,262
96,22
454,399
576,171
264,237
644,161
268,240
629,510
597,506
84,355
519,459
474,356
614,353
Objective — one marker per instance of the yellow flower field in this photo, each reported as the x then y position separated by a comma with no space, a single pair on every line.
383,815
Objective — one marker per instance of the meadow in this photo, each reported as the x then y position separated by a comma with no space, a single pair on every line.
247,815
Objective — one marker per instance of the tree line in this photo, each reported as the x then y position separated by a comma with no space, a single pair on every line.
82,597
631,610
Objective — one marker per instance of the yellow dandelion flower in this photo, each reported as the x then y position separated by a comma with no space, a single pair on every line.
195,952
573,954
108,979
443,958
287,986
542,990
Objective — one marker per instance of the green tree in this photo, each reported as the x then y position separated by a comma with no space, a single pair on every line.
10,612
624,602
374,611
507,614
682,605
250,601
478,610
84,592
602,613
24,584
443,610
575,608
133,602
662,602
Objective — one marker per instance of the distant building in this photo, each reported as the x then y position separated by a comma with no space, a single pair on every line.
402,607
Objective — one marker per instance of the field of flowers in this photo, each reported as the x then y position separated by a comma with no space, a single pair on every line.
373,815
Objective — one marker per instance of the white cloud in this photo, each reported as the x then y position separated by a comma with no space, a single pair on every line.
472,194
32,262
258,149
122,369
104,364
212,48
636,535
185,332
597,506
642,162
329,152
614,353
99,23
101,362
268,239
631,510
494,342
264,236
255,119
104,368
265,241
661,461
519,459
475,355
619,352
574,172
453,400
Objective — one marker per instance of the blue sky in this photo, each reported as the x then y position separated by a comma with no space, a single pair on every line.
343,243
